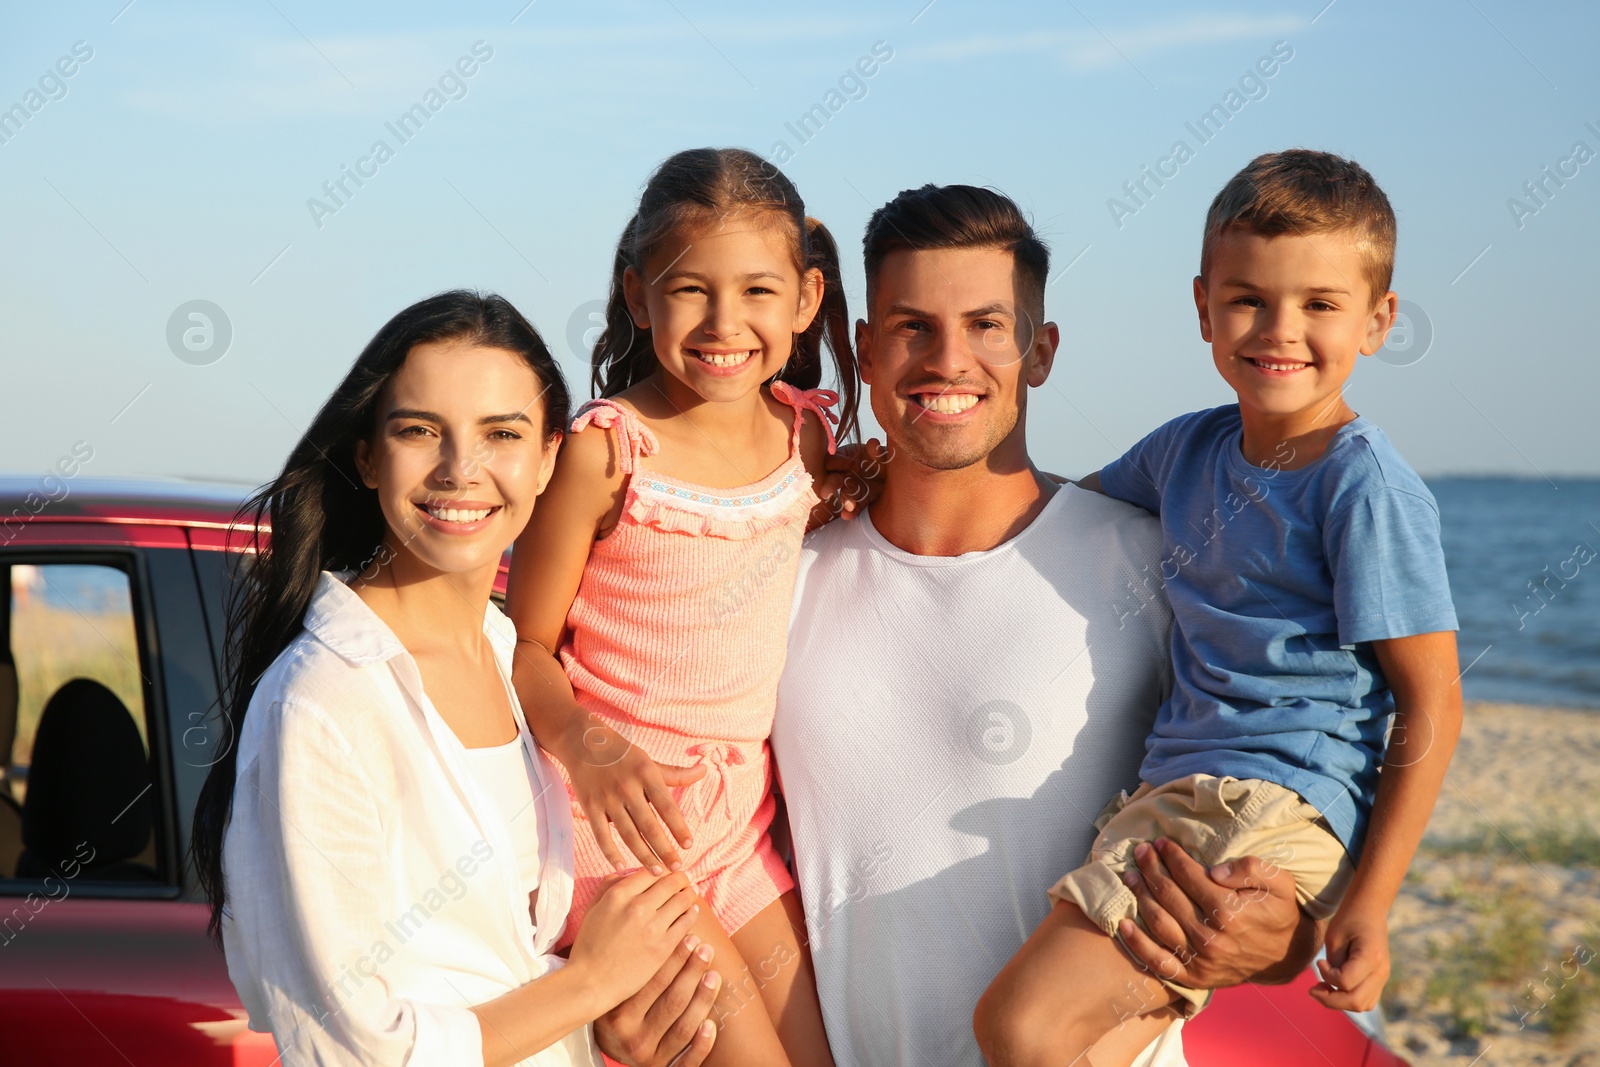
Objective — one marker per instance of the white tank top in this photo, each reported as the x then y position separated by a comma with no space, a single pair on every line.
506,774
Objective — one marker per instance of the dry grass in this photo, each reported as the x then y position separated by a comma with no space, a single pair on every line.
1497,927
1564,844
1503,951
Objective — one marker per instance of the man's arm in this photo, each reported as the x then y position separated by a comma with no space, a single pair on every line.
1236,922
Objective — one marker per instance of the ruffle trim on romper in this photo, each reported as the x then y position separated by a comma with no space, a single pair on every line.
732,514
700,511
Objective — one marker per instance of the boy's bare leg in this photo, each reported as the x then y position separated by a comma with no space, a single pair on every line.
1122,1045
1071,995
774,946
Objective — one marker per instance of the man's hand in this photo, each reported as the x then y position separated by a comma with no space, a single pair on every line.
1237,922
1357,966
853,481
666,1022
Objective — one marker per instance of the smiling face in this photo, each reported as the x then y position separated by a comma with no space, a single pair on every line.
723,302
950,353
458,455
1287,316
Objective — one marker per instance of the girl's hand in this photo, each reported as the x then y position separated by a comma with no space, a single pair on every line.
854,480
618,785
631,929
1357,966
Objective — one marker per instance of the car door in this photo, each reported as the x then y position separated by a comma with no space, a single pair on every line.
103,951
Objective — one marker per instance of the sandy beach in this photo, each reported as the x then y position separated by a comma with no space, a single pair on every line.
1496,935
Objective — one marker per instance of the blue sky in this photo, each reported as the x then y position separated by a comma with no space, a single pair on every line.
177,161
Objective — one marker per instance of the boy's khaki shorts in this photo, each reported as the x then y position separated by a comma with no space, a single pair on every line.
1214,820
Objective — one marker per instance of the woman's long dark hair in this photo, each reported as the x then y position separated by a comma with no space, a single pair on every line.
696,187
323,518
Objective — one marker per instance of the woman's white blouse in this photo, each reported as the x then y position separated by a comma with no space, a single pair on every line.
372,883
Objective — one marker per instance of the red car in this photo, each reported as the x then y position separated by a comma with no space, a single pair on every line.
110,660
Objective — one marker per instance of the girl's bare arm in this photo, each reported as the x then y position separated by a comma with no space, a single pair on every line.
611,778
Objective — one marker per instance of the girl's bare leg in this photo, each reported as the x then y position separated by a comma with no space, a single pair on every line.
745,1032
774,944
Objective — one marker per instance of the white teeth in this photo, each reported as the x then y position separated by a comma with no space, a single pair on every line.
723,359
949,403
1277,366
458,514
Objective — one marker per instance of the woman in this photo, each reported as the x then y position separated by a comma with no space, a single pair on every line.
387,854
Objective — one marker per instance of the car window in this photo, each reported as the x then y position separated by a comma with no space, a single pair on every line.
77,800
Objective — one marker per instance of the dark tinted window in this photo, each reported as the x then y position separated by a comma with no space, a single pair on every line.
78,802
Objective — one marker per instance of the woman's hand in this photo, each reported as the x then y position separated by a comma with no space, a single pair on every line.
618,785
631,929
666,1023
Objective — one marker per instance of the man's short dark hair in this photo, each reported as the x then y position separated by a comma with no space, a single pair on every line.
959,216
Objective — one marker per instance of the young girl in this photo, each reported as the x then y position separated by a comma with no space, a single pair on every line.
383,863
657,575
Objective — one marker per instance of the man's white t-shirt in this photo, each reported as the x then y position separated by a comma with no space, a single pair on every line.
948,729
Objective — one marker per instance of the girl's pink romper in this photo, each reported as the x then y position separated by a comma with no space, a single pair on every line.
676,640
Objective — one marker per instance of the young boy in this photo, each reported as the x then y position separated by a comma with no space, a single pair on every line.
1302,560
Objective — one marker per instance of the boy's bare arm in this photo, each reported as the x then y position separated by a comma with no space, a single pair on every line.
1424,675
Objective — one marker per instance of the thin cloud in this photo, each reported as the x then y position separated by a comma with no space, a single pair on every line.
285,78
1086,49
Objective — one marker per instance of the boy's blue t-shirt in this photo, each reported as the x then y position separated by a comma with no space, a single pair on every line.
1279,580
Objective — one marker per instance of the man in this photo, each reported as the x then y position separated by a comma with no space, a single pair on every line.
973,667
971,670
